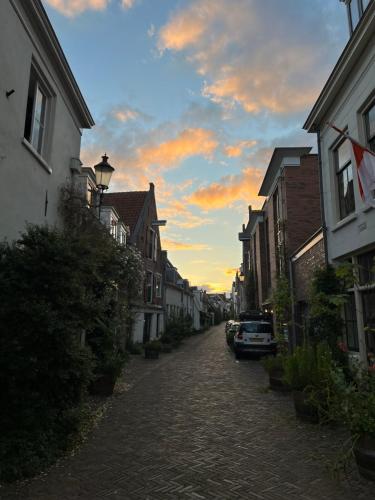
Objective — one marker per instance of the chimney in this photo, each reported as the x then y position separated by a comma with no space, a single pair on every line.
250,210
152,186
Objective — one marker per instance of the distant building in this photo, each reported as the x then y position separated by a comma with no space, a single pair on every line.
178,298
42,114
348,101
137,209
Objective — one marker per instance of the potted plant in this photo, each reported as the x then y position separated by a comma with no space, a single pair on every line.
152,349
106,374
274,366
308,371
358,404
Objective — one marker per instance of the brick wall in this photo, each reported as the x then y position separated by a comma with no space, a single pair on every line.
302,216
303,270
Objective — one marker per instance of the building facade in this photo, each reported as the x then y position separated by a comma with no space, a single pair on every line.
42,114
137,209
348,101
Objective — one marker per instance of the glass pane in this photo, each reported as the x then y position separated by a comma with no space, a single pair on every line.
370,123
354,12
366,265
368,299
343,154
39,117
365,3
346,191
351,324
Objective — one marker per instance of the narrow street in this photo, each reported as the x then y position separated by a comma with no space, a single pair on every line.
196,424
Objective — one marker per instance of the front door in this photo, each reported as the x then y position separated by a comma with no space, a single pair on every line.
147,328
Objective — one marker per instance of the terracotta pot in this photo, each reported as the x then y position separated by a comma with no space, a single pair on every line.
276,380
151,354
103,385
304,409
364,452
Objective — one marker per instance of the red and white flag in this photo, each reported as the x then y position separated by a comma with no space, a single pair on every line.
365,162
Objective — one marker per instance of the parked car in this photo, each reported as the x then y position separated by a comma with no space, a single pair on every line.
228,324
255,337
231,332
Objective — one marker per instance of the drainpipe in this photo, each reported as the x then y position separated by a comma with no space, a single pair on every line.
323,216
291,284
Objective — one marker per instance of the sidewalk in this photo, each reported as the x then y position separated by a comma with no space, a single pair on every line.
196,424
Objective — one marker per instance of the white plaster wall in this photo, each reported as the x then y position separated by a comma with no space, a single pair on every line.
24,179
358,229
138,327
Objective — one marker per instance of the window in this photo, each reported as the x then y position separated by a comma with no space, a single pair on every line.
157,286
155,256
36,113
366,266
150,243
149,286
344,172
354,13
370,127
368,302
350,324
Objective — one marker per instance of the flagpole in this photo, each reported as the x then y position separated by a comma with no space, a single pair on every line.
347,136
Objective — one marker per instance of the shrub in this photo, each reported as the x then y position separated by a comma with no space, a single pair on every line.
153,345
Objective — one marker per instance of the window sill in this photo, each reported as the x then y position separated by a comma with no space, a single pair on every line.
344,222
36,155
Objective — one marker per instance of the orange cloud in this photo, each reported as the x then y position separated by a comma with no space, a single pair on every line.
229,190
72,8
231,271
237,149
178,245
126,114
190,142
215,287
266,77
182,31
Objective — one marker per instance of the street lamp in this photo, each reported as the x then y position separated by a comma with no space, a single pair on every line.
103,174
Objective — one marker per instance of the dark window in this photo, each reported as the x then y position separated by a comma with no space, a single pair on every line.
366,265
370,127
368,300
350,324
36,112
150,243
256,327
344,172
149,286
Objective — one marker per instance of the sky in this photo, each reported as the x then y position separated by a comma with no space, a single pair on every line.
194,95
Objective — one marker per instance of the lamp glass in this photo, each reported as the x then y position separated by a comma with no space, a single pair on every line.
103,174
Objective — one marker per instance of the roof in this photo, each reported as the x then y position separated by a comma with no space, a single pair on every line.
279,154
129,205
37,14
362,35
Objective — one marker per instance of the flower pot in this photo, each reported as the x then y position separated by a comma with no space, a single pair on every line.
304,409
103,385
276,380
151,353
364,452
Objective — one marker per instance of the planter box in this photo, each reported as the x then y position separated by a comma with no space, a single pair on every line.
151,354
304,410
103,385
364,452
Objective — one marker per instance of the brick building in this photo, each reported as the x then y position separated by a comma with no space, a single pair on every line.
291,212
304,261
138,211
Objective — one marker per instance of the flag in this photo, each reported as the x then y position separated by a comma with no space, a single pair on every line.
365,163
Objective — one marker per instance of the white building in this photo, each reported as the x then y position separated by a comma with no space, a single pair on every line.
42,114
348,101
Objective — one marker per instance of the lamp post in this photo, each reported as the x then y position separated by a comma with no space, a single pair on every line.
103,174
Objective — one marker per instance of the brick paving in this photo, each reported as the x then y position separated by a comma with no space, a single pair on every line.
197,424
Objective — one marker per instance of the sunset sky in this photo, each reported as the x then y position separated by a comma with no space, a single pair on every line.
193,95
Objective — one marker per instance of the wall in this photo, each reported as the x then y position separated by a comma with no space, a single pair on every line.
303,270
27,179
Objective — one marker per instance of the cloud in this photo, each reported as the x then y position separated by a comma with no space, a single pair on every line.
72,8
230,189
125,114
190,142
214,287
250,53
236,150
178,215
231,271
181,246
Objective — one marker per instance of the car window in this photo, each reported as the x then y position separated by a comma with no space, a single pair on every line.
254,327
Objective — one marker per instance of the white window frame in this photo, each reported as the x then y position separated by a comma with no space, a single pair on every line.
39,143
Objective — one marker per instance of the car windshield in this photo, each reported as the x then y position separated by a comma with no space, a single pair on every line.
255,327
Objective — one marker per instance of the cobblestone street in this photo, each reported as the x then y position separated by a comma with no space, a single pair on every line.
197,424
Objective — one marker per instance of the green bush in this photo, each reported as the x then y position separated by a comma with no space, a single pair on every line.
153,345
43,368
273,363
